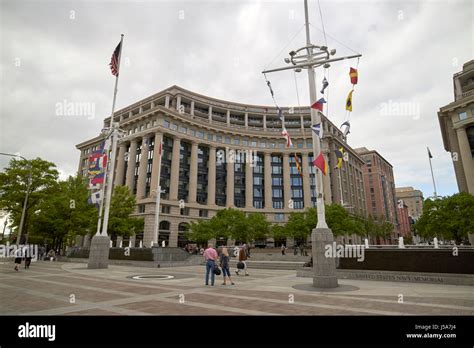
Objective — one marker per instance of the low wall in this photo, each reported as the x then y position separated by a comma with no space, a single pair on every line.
135,254
413,260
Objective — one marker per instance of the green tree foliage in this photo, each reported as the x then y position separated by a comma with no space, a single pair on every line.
341,223
450,218
63,213
230,223
258,226
297,226
123,204
14,184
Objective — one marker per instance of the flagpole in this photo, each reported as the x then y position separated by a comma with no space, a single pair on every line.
158,197
340,187
111,168
432,175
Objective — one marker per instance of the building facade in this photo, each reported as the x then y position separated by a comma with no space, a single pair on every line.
219,154
457,127
379,188
413,199
404,221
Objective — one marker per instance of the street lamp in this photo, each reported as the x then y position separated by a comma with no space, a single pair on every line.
310,57
28,186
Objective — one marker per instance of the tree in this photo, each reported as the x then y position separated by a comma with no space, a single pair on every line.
297,226
122,205
258,226
338,219
63,213
449,218
201,231
14,184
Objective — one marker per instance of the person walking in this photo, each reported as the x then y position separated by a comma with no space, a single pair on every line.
243,258
224,261
27,255
18,256
283,248
210,255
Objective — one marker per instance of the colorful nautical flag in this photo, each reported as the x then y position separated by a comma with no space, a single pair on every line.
348,127
319,105
114,61
349,101
321,163
325,84
95,198
298,164
354,76
270,87
339,156
280,114
286,135
316,128
97,165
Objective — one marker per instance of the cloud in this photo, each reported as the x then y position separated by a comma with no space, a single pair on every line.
219,48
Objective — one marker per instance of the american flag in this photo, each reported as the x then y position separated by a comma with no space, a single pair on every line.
115,59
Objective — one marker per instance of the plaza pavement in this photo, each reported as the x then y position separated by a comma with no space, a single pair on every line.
56,288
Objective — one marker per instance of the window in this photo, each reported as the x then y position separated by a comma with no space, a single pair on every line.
202,212
165,209
277,193
227,140
200,134
279,217
470,138
183,129
462,115
236,141
245,142
277,181
218,138
253,143
166,124
184,211
174,126
277,205
141,208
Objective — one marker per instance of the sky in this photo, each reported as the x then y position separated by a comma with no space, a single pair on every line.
56,52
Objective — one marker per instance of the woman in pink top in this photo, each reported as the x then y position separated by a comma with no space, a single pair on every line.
210,255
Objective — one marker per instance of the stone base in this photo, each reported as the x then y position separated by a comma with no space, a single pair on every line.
99,252
324,268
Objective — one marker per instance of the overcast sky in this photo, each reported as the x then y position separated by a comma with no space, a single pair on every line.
56,51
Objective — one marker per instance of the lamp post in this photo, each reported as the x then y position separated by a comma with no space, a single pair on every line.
25,202
310,57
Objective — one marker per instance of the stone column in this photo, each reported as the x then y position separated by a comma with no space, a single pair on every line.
264,121
211,175
174,179
230,184
268,180
167,101
306,182
141,185
120,165
246,119
210,114
178,102
192,107
286,180
131,164
156,162
193,173
228,118
466,157
173,241
249,181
